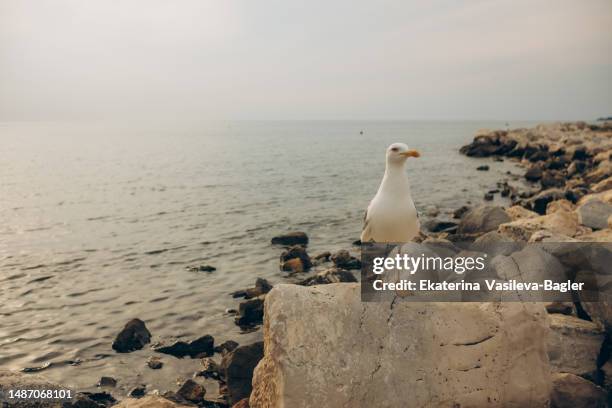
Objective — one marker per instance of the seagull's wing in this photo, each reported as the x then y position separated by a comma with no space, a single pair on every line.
367,234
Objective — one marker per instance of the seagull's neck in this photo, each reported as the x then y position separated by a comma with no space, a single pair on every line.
395,180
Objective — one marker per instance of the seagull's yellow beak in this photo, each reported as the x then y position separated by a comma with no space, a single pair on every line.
411,153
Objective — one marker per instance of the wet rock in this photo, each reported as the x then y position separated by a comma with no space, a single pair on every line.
574,344
594,214
488,197
150,401
107,382
482,219
489,144
238,369
461,211
479,350
103,397
357,242
539,202
295,259
250,312
210,369
200,347
566,308
192,391
243,403
324,256
226,346
292,238
138,391
333,275
436,225
534,173
343,259
483,168
201,268
154,363
17,381
557,163
262,286
572,391
132,337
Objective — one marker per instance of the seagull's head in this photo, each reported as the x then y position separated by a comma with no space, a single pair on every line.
397,153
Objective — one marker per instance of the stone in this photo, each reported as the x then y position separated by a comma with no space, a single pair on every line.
238,369
226,346
601,312
210,369
262,286
200,347
552,179
138,391
243,403
566,308
332,275
594,214
539,202
574,344
605,196
201,268
291,238
559,205
516,212
295,252
461,211
483,168
607,371
343,259
437,225
572,391
560,222
150,401
603,185
534,173
154,363
107,382
133,336
345,352
324,256
482,219
192,391
250,312
488,196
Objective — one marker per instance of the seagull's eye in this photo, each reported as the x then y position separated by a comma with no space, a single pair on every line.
394,149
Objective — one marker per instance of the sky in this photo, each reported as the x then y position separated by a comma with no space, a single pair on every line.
316,59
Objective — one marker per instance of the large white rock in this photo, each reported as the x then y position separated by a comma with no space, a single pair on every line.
326,348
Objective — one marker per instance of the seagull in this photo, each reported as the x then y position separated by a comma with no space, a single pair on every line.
391,215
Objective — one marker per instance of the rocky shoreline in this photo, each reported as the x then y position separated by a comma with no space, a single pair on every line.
565,195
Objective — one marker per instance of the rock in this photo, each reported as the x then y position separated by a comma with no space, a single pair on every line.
333,275
150,401
238,369
552,179
436,225
345,352
133,336
324,256
357,242
560,222
211,369
574,344
483,168
243,403
250,312
605,196
192,391
603,185
566,308
576,167
17,381
594,214
103,399
343,259
202,268
460,212
200,347
571,391
559,205
607,371
154,363
288,259
488,197
539,202
601,312
138,391
516,212
482,219
226,346
262,286
292,238
534,173
489,144
107,382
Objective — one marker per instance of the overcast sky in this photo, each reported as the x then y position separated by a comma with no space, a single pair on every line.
315,59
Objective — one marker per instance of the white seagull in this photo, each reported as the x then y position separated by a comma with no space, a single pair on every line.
391,215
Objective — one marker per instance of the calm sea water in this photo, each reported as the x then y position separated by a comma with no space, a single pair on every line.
98,224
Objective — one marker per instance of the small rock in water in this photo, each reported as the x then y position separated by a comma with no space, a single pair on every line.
138,392
226,346
295,259
154,363
343,259
211,369
101,397
201,347
238,369
488,196
107,382
357,242
332,275
192,391
292,238
250,312
262,286
460,212
534,173
132,337
202,268
483,168
323,256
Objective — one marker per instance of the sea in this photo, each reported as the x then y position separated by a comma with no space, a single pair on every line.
100,223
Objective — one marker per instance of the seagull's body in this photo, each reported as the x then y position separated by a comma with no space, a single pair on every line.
391,215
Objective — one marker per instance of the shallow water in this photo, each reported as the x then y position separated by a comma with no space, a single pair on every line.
98,225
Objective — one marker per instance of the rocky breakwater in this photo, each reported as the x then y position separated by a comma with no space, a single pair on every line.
345,352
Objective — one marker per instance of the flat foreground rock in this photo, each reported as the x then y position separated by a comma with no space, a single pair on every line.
326,348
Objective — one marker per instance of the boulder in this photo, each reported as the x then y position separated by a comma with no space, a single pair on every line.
291,238
604,235
559,205
226,346
560,222
482,219
150,401
572,391
605,196
237,368
345,352
250,312
133,336
192,391
200,347
539,202
534,173
574,344
594,214
332,275
17,381
262,286
601,312
516,212
603,185
437,225
210,369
